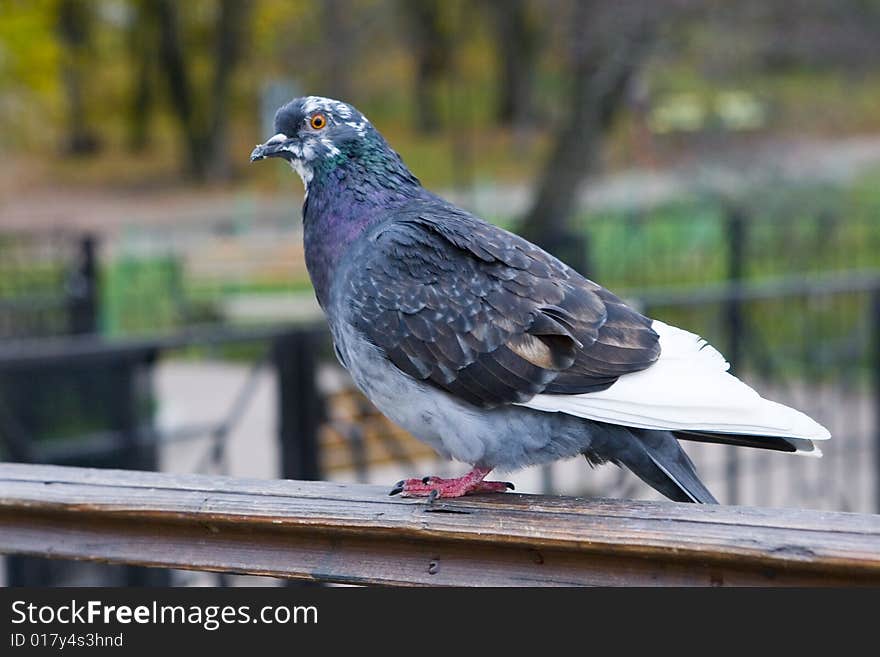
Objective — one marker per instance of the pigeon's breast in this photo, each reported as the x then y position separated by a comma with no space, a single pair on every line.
506,438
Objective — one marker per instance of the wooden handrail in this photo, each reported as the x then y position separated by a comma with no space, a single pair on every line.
332,532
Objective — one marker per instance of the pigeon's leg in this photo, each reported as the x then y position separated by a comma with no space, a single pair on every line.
435,487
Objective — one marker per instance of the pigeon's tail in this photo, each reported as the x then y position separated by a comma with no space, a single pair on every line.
690,392
656,458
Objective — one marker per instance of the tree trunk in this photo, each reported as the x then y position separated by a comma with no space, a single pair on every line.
180,92
74,31
516,43
231,31
601,71
336,24
204,132
141,38
432,51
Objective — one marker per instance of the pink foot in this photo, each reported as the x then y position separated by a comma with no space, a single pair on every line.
434,487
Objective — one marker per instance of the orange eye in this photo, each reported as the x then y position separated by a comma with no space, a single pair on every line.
318,121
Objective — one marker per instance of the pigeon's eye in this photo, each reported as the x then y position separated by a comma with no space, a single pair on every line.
317,121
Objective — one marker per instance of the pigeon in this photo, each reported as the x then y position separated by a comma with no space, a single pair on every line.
489,349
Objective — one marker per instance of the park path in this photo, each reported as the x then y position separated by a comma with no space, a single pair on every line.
29,203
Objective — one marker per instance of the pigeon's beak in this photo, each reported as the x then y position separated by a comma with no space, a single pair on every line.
276,146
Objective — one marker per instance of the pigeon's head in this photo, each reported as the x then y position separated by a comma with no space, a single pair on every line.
317,134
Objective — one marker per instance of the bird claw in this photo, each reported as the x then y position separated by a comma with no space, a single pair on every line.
434,488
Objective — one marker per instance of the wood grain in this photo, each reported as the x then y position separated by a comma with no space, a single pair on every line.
357,534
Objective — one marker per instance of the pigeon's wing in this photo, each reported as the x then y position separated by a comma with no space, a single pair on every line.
488,316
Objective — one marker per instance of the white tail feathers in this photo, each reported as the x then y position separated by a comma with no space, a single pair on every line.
688,388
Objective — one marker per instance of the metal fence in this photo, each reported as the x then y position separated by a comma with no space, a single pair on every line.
790,295
708,240
88,401
48,284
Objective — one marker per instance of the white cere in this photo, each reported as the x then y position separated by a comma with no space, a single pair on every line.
275,139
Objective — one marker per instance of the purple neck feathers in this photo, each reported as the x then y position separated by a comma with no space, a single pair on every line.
340,206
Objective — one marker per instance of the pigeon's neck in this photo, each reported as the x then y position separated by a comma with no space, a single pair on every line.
341,204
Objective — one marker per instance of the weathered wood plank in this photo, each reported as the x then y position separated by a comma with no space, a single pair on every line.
354,533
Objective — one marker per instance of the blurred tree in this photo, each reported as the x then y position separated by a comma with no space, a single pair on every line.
204,125
516,45
606,49
431,45
142,53
337,27
30,58
81,69
75,26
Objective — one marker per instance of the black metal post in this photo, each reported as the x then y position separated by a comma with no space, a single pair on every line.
734,322
300,407
82,288
131,398
300,411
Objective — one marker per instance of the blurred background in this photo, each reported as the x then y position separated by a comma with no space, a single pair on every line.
717,164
